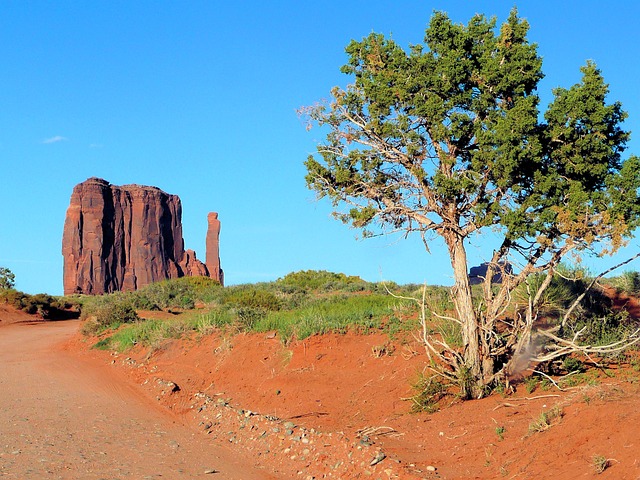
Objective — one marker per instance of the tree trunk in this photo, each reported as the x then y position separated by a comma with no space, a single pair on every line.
471,378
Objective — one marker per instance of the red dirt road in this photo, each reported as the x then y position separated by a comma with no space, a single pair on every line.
62,417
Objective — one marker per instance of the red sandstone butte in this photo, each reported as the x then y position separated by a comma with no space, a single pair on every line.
213,248
122,238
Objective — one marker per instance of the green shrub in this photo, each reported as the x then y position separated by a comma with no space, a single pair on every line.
108,311
175,293
546,420
42,304
322,280
430,391
7,279
602,330
628,282
253,298
572,364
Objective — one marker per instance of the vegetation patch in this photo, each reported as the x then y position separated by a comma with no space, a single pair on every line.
41,304
430,391
546,420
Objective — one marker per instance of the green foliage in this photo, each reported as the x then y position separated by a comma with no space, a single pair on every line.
322,280
331,314
628,282
546,420
252,304
108,311
7,279
430,391
465,102
603,329
600,463
253,298
572,364
565,287
42,304
290,307
531,383
178,293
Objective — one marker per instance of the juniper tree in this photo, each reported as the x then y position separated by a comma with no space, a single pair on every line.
446,139
7,279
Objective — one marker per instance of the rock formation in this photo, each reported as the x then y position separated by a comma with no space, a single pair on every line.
213,248
122,238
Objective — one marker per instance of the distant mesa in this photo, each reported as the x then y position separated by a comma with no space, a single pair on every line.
123,238
478,274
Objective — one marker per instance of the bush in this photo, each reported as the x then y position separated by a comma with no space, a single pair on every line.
42,304
7,279
430,392
255,298
322,280
603,329
176,293
107,311
628,282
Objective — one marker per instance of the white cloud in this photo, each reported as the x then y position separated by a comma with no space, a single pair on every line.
55,139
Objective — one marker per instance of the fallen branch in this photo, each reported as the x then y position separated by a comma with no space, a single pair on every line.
548,378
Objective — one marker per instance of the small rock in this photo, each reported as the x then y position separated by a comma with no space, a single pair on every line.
210,471
378,458
431,468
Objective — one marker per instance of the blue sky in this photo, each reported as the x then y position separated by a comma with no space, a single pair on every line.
199,98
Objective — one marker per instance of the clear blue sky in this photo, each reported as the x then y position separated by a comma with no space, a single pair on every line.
199,98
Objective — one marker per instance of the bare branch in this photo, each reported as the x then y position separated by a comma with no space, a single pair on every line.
593,282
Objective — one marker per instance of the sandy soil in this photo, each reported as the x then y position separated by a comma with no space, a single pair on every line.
65,418
331,406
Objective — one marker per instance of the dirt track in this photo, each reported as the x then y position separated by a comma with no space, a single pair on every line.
61,418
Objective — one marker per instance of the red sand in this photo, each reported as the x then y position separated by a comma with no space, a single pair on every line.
329,406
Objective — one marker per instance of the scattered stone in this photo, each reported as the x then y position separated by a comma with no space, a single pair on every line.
174,445
378,458
431,468
210,471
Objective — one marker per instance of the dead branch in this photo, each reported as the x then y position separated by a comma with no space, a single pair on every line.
548,378
368,431
564,347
